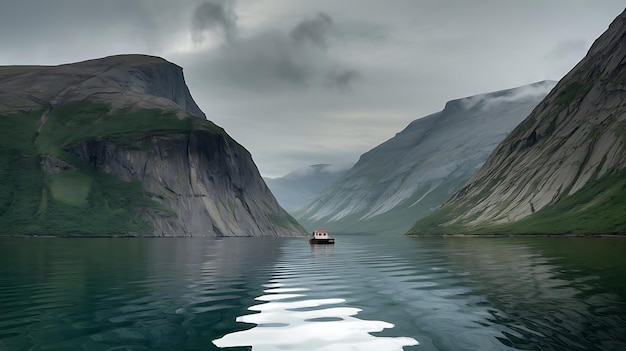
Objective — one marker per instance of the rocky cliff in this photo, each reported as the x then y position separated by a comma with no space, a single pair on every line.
117,146
136,81
416,171
562,169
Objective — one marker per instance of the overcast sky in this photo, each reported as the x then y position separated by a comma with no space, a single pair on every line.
300,82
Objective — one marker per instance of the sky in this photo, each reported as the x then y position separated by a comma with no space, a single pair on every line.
317,81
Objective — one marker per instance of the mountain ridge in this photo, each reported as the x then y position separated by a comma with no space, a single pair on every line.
421,166
117,146
556,159
133,80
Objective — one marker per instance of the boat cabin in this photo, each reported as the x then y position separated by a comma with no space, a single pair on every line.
320,234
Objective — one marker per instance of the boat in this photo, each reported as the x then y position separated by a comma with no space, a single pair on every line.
320,236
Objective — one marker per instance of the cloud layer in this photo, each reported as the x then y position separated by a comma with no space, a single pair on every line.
317,81
214,17
297,58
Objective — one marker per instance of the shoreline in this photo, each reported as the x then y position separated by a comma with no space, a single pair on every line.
568,235
443,236
38,236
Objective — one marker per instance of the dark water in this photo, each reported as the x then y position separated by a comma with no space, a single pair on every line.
364,293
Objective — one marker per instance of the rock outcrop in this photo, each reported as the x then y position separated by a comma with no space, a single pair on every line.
415,172
136,81
562,169
121,148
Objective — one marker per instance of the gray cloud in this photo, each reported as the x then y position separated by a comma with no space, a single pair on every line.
64,31
315,31
526,92
317,81
342,79
214,17
264,63
278,60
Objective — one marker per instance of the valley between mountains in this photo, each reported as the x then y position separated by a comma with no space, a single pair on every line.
117,146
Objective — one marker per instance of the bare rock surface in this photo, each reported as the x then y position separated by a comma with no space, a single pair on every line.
201,181
573,138
416,171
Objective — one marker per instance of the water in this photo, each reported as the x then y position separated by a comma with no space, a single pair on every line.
364,293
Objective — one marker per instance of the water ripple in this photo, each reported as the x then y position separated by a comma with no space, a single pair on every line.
364,293
303,309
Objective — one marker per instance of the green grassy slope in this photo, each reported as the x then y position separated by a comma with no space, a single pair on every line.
597,208
80,201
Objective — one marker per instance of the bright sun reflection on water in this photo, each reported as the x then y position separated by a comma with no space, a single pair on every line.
289,321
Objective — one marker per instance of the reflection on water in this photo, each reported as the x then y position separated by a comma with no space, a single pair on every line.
543,294
364,293
126,294
290,319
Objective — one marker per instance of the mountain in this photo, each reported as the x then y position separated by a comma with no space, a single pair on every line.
413,173
117,146
295,188
562,170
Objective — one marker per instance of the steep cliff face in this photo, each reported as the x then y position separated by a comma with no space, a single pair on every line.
562,169
416,171
208,182
117,146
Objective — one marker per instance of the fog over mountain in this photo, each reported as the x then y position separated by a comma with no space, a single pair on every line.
295,188
413,173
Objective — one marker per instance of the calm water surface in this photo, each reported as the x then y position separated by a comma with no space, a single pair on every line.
364,293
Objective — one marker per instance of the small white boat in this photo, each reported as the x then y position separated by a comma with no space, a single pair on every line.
320,236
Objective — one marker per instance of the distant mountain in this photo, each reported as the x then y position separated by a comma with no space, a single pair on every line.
117,146
413,173
295,188
563,169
